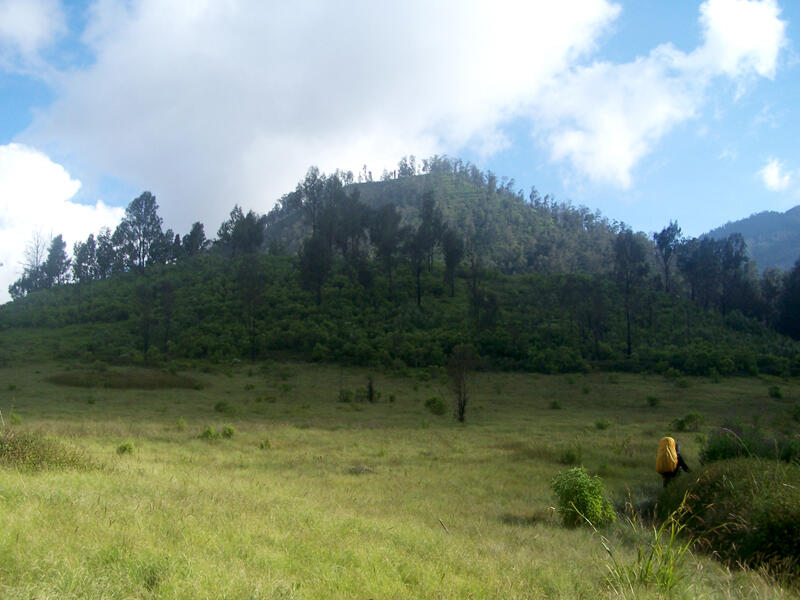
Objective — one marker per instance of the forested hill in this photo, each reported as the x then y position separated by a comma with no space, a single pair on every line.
773,238
402,272
510,230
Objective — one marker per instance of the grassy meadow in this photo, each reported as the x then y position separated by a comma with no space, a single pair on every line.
312,497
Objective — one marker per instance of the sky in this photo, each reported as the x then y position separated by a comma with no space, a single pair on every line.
646,110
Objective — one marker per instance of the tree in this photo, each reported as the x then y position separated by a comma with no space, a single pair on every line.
242,233
314,263
386,235
84,260
789,322
143,301
107,259
630,269
667,242
195,241
462,362
139,232
250,281
453,250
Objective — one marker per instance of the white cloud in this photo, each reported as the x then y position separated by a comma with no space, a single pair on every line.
26,27
774,177
36,196
208,104
212,103
606,117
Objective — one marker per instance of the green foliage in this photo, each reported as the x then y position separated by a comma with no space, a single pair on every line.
744,510
29,451
570,455
436,405
602,424
228,431
555,404
775,392
265,444
180,424
223,407
209,433
733,441
581,498
125,448
660,556
653,401
15,419
690,422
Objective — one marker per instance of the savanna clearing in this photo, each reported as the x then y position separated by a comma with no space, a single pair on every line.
298,494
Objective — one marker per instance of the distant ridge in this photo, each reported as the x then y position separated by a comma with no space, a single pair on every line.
773,238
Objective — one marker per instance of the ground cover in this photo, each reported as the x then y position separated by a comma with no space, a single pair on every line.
314,497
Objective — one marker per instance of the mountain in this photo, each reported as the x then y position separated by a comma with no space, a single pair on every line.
773,238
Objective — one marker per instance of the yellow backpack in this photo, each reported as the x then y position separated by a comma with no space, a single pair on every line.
667,458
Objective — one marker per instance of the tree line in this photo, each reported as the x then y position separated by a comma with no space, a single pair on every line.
343,236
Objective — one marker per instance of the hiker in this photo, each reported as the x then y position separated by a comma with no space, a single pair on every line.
669,460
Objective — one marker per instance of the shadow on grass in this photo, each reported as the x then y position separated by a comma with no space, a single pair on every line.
542,517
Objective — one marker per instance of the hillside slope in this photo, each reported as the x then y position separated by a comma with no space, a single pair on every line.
773,238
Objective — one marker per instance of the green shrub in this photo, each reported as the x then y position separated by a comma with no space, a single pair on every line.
125,448
775,392
586,389
745,510
15,419
581,497
228,431
652,401
436,405
570,455
29,451
683,383
223,407
209,433
734,441
555,405
690,422
264,444
602,424
180,425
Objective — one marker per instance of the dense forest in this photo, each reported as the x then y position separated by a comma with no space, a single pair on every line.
401,271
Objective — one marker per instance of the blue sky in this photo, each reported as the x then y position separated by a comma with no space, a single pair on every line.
649,111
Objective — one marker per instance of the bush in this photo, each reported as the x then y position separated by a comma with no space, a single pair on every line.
264,444
581,497
691,422
436,405
555,405
734,441
228,431
125,448
209,433
745,510
223,407
32,452
570,455
602,424
775,392
652,401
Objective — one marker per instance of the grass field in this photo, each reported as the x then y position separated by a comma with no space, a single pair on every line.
311,497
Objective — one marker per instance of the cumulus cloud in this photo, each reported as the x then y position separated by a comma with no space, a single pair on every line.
212,103
26,27
606,117
774,176
36,196
208,104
